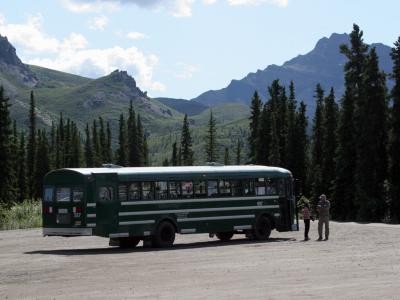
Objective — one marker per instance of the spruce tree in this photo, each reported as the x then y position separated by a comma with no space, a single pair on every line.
329,141
102,142
211,140
52,146
76,147
186,144
42,166
122,143
165,162
255,107
394,137
89,159
7,192
238,152
108,151
291,128
21,173
96,146
14,160
274,154
146,158
31,147
371,143
344,186
263,146
301,157
227,160
133,150
317,146
174,156
141,160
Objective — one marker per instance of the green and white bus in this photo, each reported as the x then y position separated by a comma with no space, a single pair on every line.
152,204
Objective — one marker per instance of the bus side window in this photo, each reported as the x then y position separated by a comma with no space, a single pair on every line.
237,188
161,190
147,190
281,187
224,187
260,187
248,187
174,189
106,193
212,188
77,194
122,192
48,194
187,189
200,189
134,191
271,187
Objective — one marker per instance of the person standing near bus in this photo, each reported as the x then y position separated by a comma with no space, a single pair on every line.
323,210
306,217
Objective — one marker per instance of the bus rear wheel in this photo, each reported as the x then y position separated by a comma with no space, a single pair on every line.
262,229
128,242
164,236
224,236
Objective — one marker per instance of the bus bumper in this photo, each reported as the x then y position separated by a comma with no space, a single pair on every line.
67,231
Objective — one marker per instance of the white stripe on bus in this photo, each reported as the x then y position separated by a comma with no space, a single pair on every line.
137,222
172,211
117,235
91,225
277,214
215,218
127,203
242,227
91,205
188,230
91,215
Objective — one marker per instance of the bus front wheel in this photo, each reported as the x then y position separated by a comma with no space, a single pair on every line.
262,229
164,236
224,236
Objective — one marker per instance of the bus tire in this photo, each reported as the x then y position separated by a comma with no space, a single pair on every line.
224,236
129,242
262,229
164,235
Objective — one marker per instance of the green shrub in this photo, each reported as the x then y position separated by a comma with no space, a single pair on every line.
21,215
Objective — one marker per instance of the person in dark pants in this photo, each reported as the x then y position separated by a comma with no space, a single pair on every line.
306,217
323,210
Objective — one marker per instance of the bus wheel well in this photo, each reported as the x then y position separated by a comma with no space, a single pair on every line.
270,218
167,219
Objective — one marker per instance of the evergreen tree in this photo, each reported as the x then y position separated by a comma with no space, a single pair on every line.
174,157
21,173
52,146
263,146
227,160
141,160
165,162
274,154
301,157
394,141
133,150
14,160
317,146
61,144
122,143
238,152
291,128
329,141
146,159
76,147
371,143
344,192
7,192
89,159
42,166
96,146
108,151
211,140
102,142
255,107
67,145
186,144
31,147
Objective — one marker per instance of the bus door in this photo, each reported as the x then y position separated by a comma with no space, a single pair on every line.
107,205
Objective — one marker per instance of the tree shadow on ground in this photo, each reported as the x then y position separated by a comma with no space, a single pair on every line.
175,247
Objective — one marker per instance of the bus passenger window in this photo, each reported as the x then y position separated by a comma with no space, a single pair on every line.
271,187
200,189
63,194
224,188
147,190
281,187
48,194
77,195
161,190
105,193
236,187
212,188
122,193
134,191
187,189
260,187
248,187
174,189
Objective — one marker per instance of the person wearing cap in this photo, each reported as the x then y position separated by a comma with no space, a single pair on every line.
323,210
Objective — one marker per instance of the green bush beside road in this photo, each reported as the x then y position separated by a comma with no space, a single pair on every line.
27,214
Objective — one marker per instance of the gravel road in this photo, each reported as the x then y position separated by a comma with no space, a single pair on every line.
358,262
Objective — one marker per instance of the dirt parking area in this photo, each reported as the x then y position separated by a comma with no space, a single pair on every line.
358,262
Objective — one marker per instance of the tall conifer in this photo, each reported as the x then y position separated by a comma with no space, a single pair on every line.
31,147
255,107
211,140
186,144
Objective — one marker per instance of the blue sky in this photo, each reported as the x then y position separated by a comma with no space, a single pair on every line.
181,48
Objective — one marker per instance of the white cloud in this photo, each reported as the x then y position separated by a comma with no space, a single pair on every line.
209,2
282,3
98,23
73,55
182,8
186,71
136,35
89,6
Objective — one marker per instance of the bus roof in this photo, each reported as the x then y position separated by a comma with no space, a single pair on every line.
126,173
